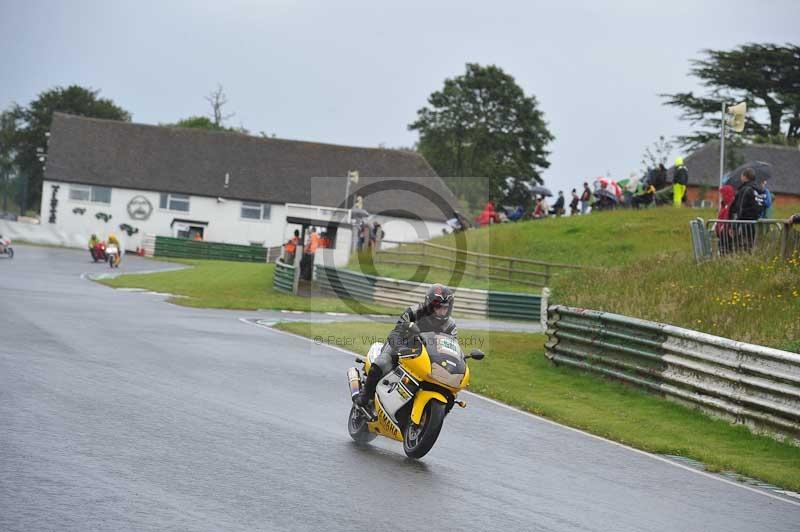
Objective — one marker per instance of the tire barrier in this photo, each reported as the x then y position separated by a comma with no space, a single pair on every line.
394,292
745,383
283,277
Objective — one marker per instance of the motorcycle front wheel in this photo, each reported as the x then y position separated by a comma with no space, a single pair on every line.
357,427
10,252
419,439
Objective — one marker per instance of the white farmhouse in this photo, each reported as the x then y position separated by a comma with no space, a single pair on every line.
105,176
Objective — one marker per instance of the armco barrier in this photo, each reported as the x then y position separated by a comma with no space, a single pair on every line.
512,305
345,284
749,384
395,292
198,249
283,278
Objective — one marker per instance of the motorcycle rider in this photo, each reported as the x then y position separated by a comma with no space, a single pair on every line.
433,315
113,241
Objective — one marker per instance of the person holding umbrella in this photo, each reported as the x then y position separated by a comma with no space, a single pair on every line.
679,182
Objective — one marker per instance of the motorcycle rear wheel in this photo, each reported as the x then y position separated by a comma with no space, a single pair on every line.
357,427
10,252
419,439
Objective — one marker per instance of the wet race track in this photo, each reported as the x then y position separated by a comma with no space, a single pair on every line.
119,411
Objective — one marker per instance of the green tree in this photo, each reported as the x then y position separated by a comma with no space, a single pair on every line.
766,76
27,141
204,122
198,122
481,124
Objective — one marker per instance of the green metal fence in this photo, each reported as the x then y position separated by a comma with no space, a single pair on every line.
346,284
283,278
194,249
394,292
514,306
749,384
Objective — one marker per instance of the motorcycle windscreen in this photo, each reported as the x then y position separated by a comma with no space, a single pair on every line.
447,360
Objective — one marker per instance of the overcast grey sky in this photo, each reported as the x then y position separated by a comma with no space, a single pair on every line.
355,73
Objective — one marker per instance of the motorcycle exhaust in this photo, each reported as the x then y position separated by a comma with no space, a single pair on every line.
354,376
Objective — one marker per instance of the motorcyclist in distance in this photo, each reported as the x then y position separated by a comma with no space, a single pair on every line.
433,315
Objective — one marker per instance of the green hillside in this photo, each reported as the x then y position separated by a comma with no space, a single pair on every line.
640,263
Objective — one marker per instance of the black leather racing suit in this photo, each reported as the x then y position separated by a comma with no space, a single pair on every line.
399,337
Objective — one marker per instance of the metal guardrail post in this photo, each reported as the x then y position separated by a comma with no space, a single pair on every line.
543,307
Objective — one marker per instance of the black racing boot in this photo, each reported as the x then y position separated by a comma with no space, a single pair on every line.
368,391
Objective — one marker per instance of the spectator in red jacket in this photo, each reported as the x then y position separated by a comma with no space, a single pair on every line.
724,231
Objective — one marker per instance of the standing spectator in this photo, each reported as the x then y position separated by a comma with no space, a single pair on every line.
540,210
375,236
679,182
586,198
660,177
573,205
313,242
745,207
558,206
291,247
360,244
766,200
724,231
364,235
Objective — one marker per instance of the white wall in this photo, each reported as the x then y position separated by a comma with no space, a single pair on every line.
224,221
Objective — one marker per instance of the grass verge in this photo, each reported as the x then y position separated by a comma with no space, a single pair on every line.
231,285
515,371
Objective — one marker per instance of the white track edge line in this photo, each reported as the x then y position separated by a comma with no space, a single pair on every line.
551,422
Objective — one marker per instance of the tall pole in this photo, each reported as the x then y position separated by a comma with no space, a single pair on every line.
347,191
722,146
5,191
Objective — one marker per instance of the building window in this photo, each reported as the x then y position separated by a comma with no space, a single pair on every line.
101,194
255,211
89,193
174,202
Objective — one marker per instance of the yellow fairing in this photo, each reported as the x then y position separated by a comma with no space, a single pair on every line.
384,425
465,380
419,366
422,398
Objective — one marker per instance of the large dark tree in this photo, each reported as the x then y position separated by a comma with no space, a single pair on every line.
481,124
766,76
28,143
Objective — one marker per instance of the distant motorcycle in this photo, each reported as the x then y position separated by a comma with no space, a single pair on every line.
5,247
114,258
98,252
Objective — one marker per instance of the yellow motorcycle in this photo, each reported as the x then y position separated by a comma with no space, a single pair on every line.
412,400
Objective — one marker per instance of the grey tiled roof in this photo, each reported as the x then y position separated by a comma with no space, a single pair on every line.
703,166
192,161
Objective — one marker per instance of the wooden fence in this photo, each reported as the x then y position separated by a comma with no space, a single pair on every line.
514,270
